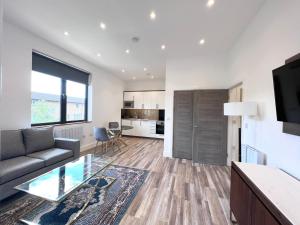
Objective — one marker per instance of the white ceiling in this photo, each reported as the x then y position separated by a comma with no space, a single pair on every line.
180,24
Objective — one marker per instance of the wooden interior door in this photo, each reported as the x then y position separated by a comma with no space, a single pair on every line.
210,127
183,124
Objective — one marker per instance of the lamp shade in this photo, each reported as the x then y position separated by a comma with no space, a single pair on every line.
240,109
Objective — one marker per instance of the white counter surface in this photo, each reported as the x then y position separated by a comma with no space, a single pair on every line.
280,188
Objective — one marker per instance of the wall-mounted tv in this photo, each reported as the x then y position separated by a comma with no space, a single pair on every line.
287,92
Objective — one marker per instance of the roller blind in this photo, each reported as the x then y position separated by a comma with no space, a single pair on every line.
44,64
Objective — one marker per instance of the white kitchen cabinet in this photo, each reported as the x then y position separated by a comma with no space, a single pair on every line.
139,100
129,96
156,99
160,100
138,130
146,99
141,128
129,132
150,98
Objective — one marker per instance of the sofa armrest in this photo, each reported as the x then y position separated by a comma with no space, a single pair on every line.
69,144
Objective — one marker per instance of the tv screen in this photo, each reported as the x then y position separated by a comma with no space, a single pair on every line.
287,92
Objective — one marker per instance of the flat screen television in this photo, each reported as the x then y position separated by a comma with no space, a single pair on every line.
287,92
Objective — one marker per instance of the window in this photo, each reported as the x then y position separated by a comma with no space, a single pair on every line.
76,96
58,92
46,98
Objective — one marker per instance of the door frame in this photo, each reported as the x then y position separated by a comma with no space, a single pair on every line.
229,151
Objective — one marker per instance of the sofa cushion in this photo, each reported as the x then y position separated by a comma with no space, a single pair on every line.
11,169
11,144
38,139
52,156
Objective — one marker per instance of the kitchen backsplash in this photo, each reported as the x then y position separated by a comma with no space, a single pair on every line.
151,114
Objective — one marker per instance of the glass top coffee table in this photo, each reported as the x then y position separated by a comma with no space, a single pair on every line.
57,184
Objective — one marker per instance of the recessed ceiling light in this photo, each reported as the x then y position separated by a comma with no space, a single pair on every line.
133,78
127,51
102,26
151,77
202,41
210,3
163,47
123,71
66,33
145,69
98,54
152,15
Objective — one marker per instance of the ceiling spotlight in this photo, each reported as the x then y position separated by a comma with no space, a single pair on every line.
123,70
127,51
98,54
102,26
202,41
163,47
210,3
133,78
152,15
66,33
145,69
151,77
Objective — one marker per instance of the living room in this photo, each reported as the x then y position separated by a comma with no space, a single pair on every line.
149,112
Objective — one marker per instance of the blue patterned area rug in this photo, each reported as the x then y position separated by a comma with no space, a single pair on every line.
102,200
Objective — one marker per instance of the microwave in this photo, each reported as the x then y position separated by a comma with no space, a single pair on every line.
128,104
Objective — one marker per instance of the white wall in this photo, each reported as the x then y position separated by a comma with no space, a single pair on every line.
272,37
1,40
140,85
107,90
187,74
1,44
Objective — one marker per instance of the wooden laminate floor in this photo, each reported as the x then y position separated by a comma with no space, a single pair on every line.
175,192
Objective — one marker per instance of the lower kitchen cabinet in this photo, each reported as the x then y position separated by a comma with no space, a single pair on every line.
141,128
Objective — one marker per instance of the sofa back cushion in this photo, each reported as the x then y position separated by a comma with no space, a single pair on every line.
11,144
38,139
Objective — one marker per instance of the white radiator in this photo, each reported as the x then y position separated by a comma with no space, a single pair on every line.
72,132
251,155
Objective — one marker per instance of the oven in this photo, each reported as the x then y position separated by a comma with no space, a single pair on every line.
160,127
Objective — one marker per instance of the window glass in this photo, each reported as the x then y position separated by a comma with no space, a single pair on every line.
76,97
45,98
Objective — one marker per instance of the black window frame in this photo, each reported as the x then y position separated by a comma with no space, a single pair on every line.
63,96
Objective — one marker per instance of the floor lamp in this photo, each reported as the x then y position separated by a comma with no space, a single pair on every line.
240,109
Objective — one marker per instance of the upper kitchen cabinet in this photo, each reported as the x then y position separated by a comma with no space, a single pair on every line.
146,99
129,96
160,100
139,100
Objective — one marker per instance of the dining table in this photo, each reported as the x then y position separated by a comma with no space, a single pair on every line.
118,133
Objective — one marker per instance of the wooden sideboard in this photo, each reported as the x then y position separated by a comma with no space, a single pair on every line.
262,195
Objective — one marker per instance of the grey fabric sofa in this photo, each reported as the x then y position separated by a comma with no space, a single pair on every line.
25,154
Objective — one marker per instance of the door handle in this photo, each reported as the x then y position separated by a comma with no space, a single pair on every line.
195,126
